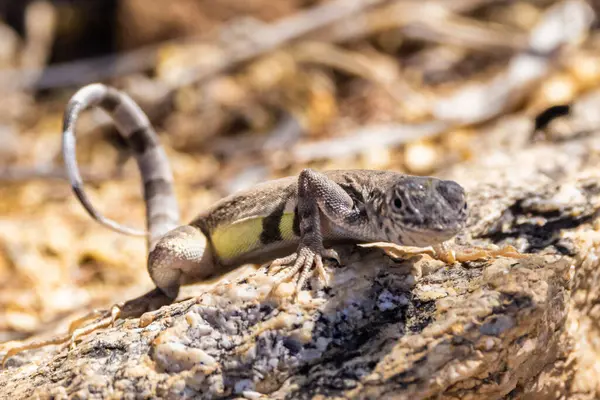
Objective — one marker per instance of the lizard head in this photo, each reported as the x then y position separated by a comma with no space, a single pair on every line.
422,211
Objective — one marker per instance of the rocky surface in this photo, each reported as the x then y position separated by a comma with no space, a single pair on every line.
412,328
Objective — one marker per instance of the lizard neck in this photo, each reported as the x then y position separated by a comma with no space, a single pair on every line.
377,218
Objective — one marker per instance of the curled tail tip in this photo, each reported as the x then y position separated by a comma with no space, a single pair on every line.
133,124
87,96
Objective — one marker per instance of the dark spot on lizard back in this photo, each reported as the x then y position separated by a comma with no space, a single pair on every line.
296,222
270,224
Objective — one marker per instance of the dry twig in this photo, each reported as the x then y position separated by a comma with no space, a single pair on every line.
563,24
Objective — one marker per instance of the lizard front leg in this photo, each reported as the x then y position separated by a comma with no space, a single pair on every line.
317,195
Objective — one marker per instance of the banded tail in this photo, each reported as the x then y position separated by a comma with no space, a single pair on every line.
162,211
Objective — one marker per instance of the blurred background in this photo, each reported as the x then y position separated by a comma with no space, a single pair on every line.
244,91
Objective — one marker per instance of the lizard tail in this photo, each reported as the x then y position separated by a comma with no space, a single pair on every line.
162,211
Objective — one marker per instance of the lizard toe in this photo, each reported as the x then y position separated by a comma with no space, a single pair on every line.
93,315
331,254
279,264
94,326
306,262
323,275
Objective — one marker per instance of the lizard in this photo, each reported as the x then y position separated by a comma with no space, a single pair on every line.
270,219
289,221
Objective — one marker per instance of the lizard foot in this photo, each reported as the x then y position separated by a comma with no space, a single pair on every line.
134,308
103,318
302,261
477,253
74,333
137,307
446,253
36,344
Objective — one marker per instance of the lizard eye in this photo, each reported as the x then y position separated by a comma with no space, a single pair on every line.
398,203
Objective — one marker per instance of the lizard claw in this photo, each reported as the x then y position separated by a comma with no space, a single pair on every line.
101,319
332,254
444,253
93,315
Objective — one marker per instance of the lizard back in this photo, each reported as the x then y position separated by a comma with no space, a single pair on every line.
263,219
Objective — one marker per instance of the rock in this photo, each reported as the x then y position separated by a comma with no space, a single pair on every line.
407,329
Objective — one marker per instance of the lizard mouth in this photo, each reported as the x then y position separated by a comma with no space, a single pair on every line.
426,236
439,228
442,223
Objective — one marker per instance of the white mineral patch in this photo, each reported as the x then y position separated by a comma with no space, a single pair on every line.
251,394
176,357
243,385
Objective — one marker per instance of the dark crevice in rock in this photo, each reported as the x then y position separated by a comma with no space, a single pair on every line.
419,315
